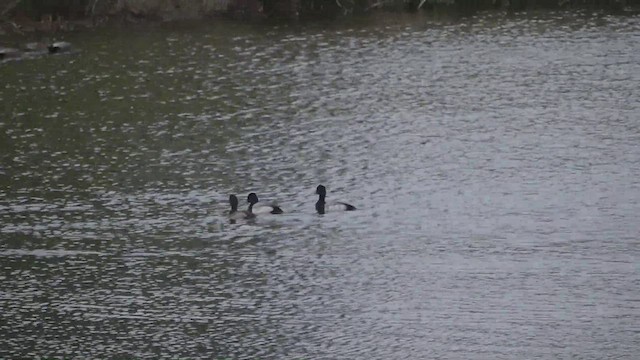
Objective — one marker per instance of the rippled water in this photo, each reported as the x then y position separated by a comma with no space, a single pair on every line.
494,161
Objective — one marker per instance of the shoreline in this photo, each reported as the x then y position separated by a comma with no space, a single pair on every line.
24,38
15,22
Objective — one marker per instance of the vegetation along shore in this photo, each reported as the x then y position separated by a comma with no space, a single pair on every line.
26,16
39,23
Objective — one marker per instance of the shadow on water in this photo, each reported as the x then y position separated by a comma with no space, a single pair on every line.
493,160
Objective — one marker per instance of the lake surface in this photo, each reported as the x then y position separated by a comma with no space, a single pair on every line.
494,161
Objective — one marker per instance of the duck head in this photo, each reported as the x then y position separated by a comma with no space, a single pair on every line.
233,201
252,198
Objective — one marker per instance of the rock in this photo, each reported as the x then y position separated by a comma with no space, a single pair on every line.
35,47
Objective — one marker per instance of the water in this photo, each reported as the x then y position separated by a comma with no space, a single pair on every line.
494,161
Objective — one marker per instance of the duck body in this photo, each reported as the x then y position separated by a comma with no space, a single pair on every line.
323,207
234,214
269,209
9,53
58,47
252,199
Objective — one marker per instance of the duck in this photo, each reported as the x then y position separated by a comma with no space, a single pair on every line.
234,214
9,53
252,199
322,207
59,47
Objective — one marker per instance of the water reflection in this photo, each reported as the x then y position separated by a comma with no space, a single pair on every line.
493,161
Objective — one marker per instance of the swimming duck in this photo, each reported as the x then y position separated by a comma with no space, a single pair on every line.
234,214
58,47
9,53
322,207
252,199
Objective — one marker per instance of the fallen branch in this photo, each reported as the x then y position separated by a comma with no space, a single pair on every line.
16,28
91,12
374,6
9,7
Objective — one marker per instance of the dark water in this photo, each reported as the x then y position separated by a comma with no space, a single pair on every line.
495,162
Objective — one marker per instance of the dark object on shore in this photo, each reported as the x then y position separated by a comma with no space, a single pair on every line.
59,47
